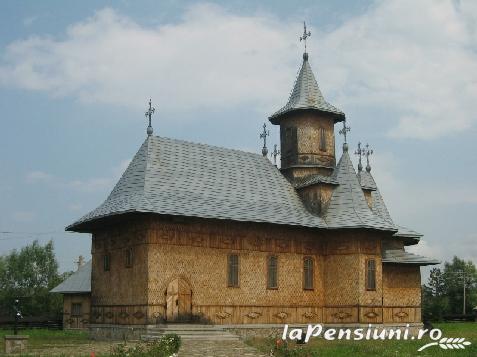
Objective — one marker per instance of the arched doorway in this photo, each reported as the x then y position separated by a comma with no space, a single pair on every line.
178,301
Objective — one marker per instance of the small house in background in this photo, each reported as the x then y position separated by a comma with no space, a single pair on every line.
76,292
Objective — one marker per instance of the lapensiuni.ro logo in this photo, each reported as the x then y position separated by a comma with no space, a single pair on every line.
375,333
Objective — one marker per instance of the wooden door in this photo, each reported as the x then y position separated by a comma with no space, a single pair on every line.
178,301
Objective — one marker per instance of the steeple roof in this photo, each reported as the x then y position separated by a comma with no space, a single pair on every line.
307,95
348,207
379,207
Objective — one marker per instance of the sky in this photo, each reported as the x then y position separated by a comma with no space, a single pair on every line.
75,79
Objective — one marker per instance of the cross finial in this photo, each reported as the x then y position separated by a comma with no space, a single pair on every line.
149,113
263,136
305,34
275,153
343,132
360,153
367,153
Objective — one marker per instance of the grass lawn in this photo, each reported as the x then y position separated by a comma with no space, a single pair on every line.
40,337
388,348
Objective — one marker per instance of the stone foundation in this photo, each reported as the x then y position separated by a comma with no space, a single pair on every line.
108,332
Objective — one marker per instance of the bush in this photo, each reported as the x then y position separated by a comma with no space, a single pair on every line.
166,346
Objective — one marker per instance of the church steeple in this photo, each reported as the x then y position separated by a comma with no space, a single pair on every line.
307,126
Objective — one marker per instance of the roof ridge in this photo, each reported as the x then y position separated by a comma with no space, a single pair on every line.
208,145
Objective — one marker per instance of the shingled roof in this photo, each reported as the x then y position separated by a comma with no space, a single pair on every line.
348,207
78,283
400,256
176,177
307,95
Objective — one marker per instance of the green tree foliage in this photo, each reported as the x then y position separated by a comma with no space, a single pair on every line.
444,292
29,274
454,275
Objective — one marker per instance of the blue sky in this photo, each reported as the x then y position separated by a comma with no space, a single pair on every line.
75,78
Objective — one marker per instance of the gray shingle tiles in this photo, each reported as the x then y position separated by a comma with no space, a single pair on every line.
79,282
399,256
307,95
348,207
176,177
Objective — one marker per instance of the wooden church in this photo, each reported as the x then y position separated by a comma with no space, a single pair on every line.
194,232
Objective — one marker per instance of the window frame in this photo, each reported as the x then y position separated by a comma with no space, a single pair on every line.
107,262
74,312
269,259
230,266
373,270
305,259
323,142
129,257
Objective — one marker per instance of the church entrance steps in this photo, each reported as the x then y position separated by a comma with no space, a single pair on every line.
191,332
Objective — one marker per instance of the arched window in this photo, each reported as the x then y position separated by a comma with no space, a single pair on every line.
308,276
272,278
370,274
233,270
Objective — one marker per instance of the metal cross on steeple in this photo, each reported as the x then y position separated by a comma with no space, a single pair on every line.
360,153
345,130
367,152
149,113
275,153
263,136
305,34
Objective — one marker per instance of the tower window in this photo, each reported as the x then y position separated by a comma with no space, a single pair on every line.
370,274
106,262
308,273
272,272
233,270
322,139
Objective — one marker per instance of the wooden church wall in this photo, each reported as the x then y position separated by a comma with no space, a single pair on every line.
196,251
119,296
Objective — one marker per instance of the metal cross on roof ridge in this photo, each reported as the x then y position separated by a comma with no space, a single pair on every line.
360,153
346,129
263,136
149,113
305,34
275,153
367,152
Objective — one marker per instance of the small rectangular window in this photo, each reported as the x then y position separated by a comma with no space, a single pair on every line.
233,270
106,262
76,309
308,273
322,139
129,257
272,279
370,274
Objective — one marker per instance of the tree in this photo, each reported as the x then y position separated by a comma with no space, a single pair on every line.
456,274
29,274
444,292
434,300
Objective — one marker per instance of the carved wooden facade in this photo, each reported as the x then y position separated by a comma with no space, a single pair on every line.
180,268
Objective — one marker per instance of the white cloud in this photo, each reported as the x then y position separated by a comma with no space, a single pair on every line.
23,216
414,59
92,184
38,176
